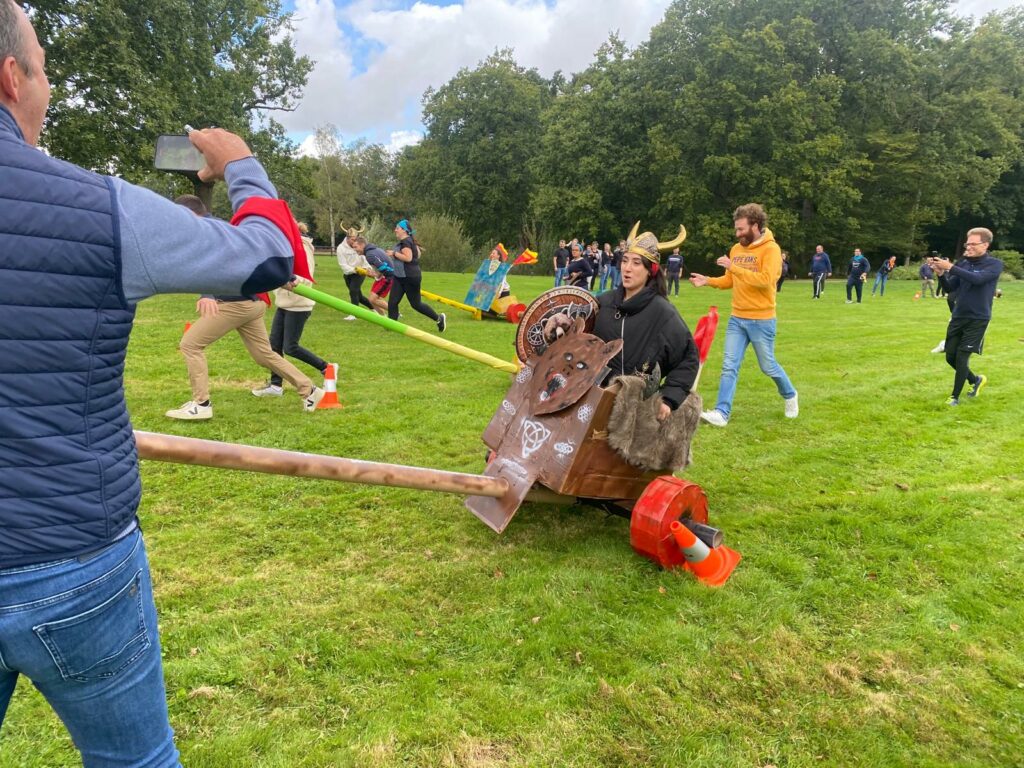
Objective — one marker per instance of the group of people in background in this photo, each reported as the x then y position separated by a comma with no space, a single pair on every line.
599,268
856,274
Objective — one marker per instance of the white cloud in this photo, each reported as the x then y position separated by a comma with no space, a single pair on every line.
426,45
402,139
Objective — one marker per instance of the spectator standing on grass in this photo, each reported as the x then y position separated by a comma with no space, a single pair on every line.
617,263
77,615
751,270
785,272
857,275
560,262
927,274
974,280
821,268
882,275
673,269
607,267
407,252
289,321
579,271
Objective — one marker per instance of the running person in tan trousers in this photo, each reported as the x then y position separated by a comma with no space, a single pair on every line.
218,316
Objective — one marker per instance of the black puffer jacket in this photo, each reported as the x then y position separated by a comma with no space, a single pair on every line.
652,332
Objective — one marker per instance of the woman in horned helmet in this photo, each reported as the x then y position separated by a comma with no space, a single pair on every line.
351,261
656,341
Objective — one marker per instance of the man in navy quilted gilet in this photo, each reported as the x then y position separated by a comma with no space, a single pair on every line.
77,252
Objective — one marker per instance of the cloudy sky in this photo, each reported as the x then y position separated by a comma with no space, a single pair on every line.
376,57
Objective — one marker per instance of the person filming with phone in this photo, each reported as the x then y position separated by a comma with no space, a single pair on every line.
80,250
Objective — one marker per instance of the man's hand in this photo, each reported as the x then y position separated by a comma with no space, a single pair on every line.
219,147
829,275
724,261
943,265
290,285
207,307
698,281
664,411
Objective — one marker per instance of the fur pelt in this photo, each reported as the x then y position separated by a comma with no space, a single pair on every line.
635,433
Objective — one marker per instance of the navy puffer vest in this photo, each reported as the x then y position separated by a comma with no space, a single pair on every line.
69,475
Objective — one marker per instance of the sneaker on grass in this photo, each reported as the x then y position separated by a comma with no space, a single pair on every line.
792,406
952,401
191,411
442,322
715,418
349,317
976,389
939,348
271,390
313,399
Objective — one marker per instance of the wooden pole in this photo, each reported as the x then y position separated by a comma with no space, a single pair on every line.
248,458
211,453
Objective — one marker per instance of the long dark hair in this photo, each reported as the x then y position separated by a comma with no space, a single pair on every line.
656,279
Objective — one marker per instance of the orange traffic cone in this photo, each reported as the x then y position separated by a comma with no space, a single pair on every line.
712,566
330,399
917,296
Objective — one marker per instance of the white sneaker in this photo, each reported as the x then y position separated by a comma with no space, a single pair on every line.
350,317
314,398
191,411
714,418
940,348
442,322
792,407
271,390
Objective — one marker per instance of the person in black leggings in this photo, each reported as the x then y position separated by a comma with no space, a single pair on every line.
407,255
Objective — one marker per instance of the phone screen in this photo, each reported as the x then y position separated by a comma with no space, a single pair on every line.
176,153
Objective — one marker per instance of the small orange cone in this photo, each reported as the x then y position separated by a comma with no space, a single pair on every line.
917,296
712,566
330,390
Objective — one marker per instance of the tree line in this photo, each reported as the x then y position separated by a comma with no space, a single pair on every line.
892,125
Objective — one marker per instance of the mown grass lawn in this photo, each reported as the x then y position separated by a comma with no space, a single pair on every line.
875,620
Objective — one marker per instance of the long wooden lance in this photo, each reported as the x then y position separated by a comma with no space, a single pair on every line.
414,333
273,461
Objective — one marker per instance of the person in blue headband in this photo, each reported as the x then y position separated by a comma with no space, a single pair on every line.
409,278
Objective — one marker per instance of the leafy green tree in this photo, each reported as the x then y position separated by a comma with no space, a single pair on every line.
591,169
125,71
482,131
335,191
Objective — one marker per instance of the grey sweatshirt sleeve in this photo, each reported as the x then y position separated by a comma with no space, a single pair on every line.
165,248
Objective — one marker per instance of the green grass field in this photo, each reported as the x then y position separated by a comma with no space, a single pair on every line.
875,620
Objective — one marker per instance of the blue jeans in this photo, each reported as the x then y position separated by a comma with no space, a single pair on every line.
761,334
614,276
880,277
84,632
605,274
559,276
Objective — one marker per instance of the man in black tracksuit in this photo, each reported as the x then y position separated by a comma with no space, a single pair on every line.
973,279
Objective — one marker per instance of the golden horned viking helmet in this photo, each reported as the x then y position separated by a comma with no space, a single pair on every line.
647,244
351,231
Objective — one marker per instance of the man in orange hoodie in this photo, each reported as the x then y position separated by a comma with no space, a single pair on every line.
752,269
